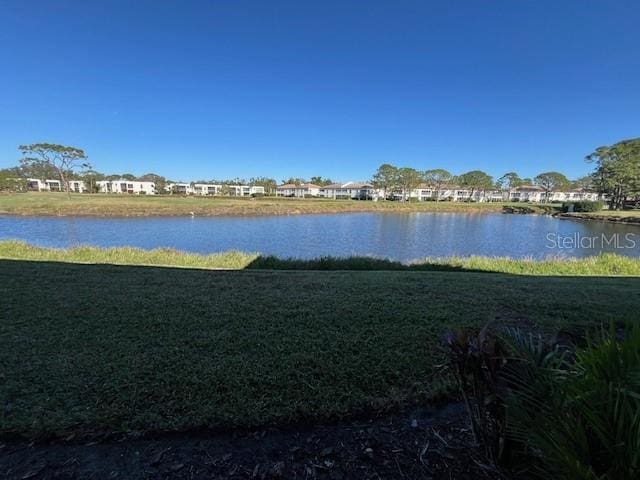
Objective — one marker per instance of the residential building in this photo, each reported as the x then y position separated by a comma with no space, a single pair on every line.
38,185
300,191
77,186
179,188
245,190
207,189
132,187
349,190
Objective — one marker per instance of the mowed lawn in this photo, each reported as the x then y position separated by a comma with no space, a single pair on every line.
41,203
95,348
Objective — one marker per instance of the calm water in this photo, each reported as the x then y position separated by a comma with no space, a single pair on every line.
401,237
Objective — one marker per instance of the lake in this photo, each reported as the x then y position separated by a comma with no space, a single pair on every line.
402,237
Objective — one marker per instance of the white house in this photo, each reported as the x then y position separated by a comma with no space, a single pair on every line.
77,186
38,185
179,188
206,189
245,190
127,186
301,191
352,190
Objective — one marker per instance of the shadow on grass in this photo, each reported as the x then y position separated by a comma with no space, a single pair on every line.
104,348
352,263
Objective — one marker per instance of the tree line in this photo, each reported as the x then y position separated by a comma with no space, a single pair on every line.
616,174
391,178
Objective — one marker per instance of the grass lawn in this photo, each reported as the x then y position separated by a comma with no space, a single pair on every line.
92,348
41,203
622,216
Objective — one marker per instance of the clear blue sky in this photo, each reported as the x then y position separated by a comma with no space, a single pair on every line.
218,89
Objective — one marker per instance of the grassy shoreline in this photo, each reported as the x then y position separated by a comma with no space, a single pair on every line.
630,217
89,349
600,265
103,205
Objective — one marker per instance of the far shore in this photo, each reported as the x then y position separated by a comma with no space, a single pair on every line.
625,216
102,205
40,204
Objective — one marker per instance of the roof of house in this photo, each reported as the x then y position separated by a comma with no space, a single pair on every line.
302,185
347,185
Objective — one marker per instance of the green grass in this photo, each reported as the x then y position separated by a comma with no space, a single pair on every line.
601,265
618,216
94,348
40,203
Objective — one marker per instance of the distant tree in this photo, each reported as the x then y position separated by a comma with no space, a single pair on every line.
158,180
40,169
236,181
551,181
269,184
62,158
527,181
128,176
11,179
295,181
509,181
437,178
91,178
585,182
617,172
408,180
476,180
385,178
320,181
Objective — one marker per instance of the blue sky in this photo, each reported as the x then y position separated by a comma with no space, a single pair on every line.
219,89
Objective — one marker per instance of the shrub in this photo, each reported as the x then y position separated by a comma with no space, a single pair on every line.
583,206
580,419
550,410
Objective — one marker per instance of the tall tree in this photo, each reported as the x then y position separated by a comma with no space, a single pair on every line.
385,178
509,181
408,180
617,172
476,180
62,158
437,178
551,181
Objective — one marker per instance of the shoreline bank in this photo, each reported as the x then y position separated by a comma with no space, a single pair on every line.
604,264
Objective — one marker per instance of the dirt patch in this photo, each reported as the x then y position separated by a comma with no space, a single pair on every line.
425,443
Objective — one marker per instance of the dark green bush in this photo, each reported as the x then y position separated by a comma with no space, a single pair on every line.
583,206
577,416
550,410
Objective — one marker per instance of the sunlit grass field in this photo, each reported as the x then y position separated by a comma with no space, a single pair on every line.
42,203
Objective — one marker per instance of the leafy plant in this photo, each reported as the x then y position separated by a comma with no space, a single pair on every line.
579,417
583,206
475,361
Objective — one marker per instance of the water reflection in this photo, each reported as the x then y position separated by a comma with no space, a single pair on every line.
401,237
